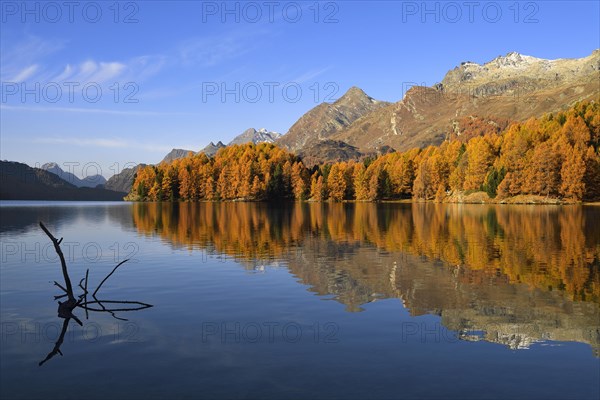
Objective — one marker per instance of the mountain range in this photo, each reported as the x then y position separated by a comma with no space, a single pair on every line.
513,87
89,181
21,182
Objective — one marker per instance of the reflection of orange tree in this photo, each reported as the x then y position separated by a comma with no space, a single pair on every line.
552,248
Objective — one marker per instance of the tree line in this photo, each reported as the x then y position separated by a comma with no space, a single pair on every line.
554,156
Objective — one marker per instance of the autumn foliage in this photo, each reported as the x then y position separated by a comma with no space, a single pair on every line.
245,172
556,156
548,248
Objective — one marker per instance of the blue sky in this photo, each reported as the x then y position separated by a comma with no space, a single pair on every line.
101,85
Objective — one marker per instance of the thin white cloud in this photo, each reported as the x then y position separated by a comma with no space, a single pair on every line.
104,143
209,51
92,71
310,75
111,143
90,110
26,60
66,74
25,73
25,53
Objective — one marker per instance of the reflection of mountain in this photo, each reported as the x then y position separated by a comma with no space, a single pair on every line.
57,215
520,274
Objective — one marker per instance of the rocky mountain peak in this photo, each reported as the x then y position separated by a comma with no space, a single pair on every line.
326,119
515,70
513,59
355,95
89,181
252,135
50,165
175,154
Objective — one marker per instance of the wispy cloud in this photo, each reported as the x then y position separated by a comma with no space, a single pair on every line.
27,60
25,73
21,59
310,75
209,51
90,110
104,143
91,71
136,69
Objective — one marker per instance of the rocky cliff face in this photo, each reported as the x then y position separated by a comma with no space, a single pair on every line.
326,119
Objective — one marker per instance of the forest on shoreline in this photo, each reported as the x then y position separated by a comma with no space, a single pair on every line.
555,157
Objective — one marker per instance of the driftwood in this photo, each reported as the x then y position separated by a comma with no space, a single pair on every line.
65,309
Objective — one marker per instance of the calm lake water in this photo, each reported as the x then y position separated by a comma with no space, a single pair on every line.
304,300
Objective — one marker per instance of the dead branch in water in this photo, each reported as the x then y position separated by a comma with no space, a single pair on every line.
63,264
108,276
65,309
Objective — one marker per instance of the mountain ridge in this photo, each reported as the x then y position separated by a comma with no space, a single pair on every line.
91,181
514,87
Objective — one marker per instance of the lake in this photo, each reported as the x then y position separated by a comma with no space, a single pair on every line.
347,301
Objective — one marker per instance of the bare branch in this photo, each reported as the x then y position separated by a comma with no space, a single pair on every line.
60,286
108,276
140,305
63,263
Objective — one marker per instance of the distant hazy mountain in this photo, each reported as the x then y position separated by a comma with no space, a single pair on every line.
175,154
255,136
212,148
21,182
89,181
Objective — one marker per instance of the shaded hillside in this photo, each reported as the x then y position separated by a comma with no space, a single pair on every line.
328,151
123,181
21,182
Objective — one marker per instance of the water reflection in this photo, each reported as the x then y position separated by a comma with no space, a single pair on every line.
519,274
66,308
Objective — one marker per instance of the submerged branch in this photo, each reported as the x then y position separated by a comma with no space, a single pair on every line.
63,263
100,303
108,276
